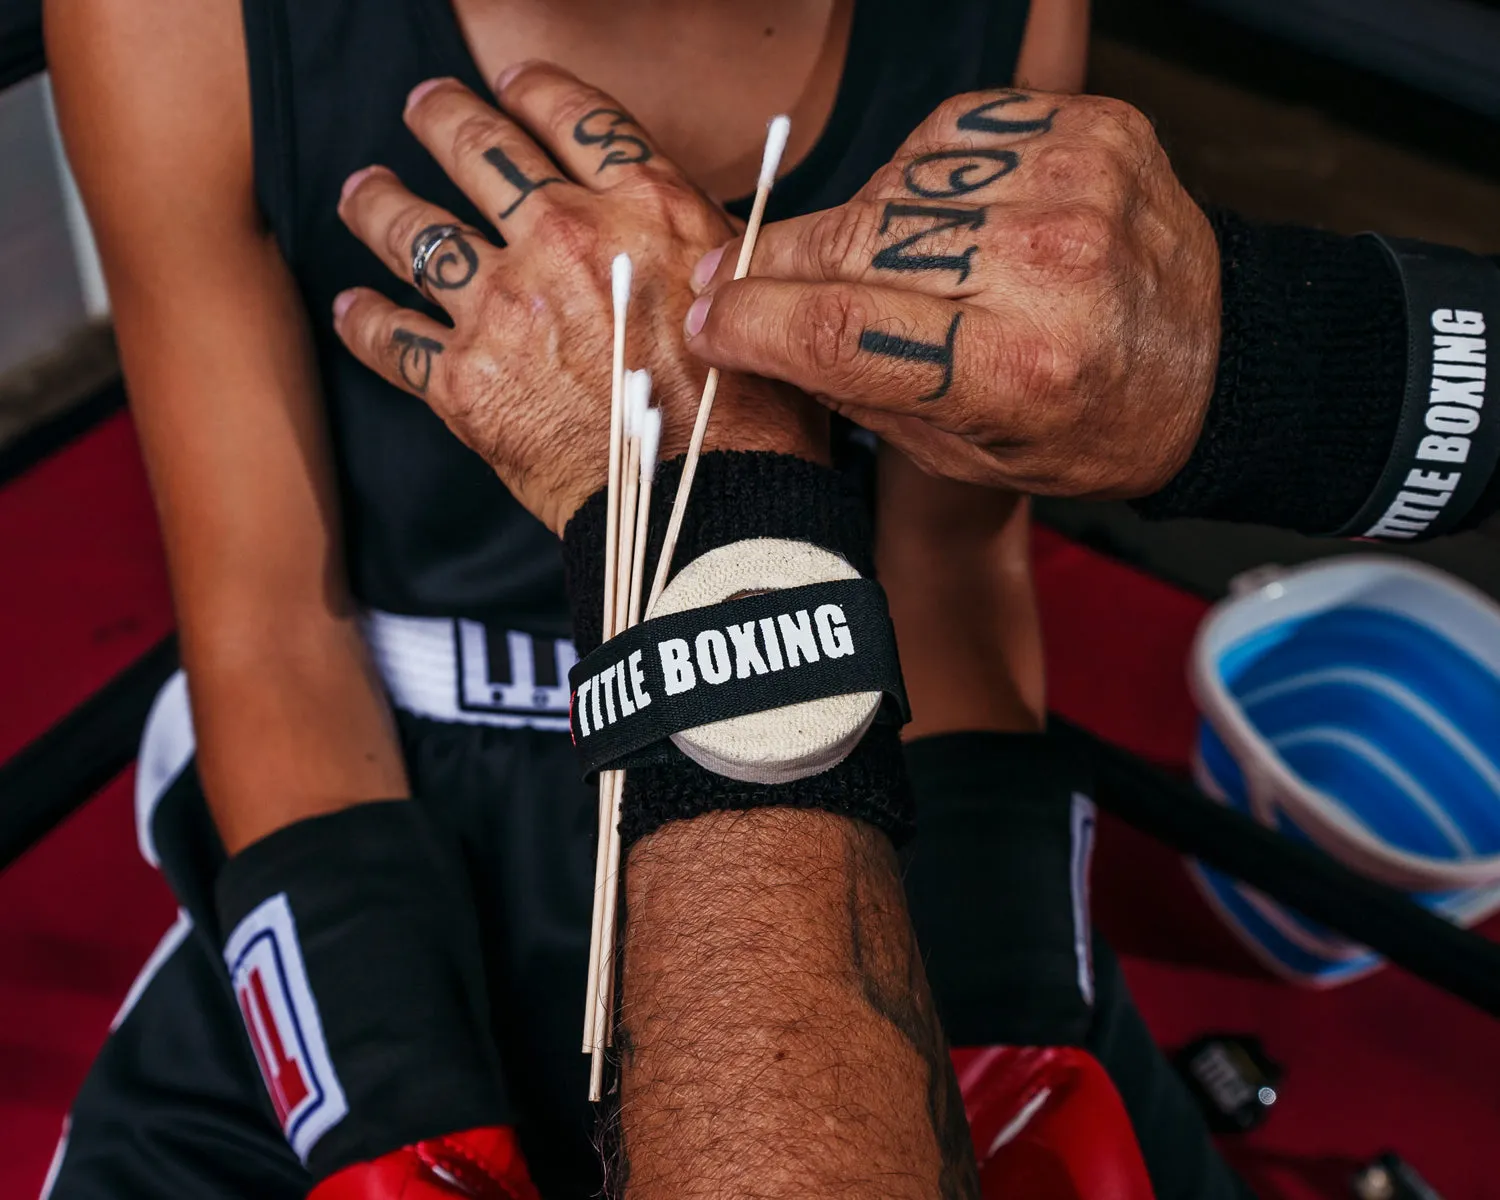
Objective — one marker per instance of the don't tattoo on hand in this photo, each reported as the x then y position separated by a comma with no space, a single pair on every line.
1025,297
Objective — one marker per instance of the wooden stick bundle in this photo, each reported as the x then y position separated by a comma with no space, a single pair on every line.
635,434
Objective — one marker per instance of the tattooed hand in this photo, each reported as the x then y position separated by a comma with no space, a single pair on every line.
1025,297
568,180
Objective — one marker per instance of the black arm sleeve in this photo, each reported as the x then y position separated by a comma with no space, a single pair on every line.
1310,385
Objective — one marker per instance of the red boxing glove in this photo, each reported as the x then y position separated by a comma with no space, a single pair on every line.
1048,1124
478,1164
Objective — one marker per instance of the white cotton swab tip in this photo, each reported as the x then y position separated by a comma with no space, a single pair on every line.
637,400
620,272
776,135
650,442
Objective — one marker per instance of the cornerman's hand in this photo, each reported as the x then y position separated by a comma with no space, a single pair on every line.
1025,297
522,376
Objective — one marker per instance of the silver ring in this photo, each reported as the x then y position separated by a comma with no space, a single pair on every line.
425,246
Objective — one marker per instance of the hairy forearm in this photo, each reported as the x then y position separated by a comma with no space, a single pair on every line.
778,1037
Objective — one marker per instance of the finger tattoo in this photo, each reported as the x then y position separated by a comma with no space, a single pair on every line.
516,177
978,120
601,128
967,171
898,257
452,265
893,346
414,361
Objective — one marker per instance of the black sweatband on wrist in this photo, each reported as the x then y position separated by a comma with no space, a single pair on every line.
1310,376
1447,440
997,883
1311,383
354,954
745,655
739,495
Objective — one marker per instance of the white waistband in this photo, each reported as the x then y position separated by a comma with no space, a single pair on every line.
451,669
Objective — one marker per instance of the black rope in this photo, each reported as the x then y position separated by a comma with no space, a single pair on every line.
63,769
1297,874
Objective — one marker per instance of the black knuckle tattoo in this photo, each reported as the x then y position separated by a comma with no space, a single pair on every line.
601,127
908,255
414,356
944,174
981,120
452,265
517,178
877,341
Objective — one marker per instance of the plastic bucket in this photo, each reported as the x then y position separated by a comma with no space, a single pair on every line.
1354,703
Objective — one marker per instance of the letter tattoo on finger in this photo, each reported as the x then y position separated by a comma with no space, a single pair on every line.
516,177
414,358
967,171
620,148
894,346
896,257
451,265
978,120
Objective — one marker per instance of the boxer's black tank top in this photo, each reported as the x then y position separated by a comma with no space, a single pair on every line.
429,529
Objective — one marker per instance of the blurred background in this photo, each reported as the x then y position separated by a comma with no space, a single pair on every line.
1348,114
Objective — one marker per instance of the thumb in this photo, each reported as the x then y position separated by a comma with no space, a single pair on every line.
902,352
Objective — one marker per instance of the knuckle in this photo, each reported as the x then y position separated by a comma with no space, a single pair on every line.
473,135
825,328
1125,120
402,232
839,238
1068,168
565,234
1078,241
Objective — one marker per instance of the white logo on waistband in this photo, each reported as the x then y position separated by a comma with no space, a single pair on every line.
512,672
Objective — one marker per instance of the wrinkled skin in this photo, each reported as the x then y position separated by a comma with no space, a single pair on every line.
1024,297
523,375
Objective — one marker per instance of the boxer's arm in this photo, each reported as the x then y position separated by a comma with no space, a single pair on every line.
290,720
778,1034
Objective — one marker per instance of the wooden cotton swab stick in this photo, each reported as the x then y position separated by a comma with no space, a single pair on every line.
649,425
637,388
620,272
776,136
601,998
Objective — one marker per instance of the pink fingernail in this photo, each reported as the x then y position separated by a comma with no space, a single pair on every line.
510,72
697,315
354,181
416,94
342,303
705,269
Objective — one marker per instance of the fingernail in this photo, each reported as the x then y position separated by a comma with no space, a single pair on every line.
342,303
416,94
697,315
705,269
353,182
511,72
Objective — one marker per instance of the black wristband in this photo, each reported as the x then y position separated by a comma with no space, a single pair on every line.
354,955
1447,441
746,655
1311,383
1312,362
739,495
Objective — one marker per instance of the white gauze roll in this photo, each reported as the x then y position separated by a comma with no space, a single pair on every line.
780,744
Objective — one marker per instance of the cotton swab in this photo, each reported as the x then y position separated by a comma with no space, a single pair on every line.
649,426
601,996
776,137
620,278
620,273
